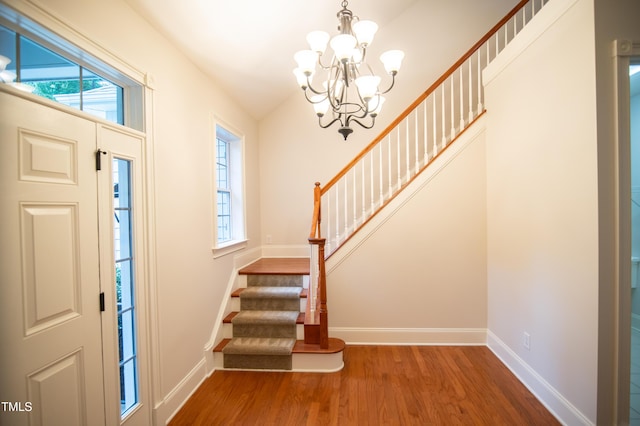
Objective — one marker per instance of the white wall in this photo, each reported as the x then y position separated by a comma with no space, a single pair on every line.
295,152
190,284
419,276
542,210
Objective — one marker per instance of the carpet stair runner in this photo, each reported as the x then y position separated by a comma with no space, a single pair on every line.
264,331
268,315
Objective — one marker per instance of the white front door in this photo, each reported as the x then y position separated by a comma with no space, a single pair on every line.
72,283
50,320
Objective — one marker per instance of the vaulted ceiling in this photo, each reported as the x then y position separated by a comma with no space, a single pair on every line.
247,46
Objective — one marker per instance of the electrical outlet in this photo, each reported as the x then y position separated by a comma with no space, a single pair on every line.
268,239
526,341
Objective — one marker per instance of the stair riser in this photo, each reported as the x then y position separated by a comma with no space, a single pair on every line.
260,304
235,304
227,331
275,281
321,363
264,330
258,362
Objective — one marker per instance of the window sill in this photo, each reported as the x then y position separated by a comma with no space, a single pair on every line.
228,247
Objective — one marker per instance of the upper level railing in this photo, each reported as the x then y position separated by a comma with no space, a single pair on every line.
407,146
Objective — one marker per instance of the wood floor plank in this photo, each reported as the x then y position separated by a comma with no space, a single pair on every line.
390,385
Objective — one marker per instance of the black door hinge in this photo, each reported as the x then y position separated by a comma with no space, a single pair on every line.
99,152
102,302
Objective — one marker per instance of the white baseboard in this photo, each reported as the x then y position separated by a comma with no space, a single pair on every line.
411,336
171,404
558,405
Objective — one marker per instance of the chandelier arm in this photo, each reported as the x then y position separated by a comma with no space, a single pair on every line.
336,104
373,121
361,109
366,64
330,123
364,56
317,92
323,66
311,101
393,82
312,90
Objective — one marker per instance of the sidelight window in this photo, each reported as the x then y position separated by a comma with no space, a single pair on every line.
125,284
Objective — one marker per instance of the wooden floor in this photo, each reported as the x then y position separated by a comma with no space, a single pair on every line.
379,385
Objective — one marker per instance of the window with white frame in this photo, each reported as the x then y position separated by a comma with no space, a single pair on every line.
229,217
38,61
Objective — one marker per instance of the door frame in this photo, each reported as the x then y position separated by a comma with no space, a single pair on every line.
624,51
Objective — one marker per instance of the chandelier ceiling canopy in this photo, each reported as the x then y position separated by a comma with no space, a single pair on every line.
349,91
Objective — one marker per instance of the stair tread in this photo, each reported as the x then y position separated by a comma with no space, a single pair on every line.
236,293
271,293
259,346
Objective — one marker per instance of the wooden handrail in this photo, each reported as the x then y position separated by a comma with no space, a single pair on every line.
425,94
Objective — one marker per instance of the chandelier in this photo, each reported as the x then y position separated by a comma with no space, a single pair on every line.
350,88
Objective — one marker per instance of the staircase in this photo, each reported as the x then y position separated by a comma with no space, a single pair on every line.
260,330
265,328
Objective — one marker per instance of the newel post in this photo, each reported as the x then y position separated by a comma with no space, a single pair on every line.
324,321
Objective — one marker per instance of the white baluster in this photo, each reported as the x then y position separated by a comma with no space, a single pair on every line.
442,112
453,127
426,139
417,142
346,207
337,212
389,165
479,77
398,155
434,123
371,180
462,98
471,86
506,35
355,196
380,173
328,220
407,149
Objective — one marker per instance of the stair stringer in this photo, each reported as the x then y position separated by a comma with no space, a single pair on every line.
419,182
235,281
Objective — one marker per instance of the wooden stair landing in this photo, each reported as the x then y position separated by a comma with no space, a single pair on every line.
278,266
